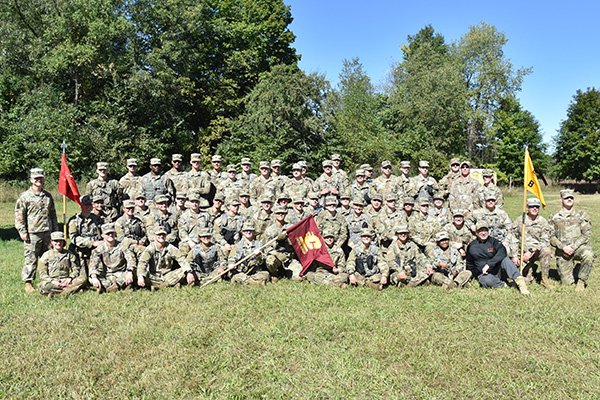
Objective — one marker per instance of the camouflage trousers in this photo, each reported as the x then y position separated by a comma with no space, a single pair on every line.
48,287
324,277
371,281
584,256
257,278
280,263
114,278
32,251
171,278
203,277
544,257
441,279
410,281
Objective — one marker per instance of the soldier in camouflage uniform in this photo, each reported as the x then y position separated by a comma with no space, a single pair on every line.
387,219
264,216
438,210
206,259
177,175
297,186
464,191
280,259
131,231
279,178
357,221
460,235
253,270
216,174
216,210
130,183
321,274
499,223
328,184
490,186
376,205
108,189
35,218
366,264
423,185
228,227
162,264
447,180
162,219
314,206
84,232
360,188
190,223
537,242
345,208
405,262
198,180
246,176
112,264
368,173
179,206
341,175
155,184
246,207
448,266
230,186
333,221
297,212
59,268
572,233
423,227
386,182
404,182
141,208
264,184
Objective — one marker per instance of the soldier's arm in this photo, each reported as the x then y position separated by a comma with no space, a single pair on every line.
554,240
586,231
21,218
351,263
52,219
95,263
42,266
143,263
383,265
180,257
129,258
75,266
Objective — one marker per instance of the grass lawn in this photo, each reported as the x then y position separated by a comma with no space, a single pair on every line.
292,340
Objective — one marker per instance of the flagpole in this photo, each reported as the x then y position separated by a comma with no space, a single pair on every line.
524,210
64,150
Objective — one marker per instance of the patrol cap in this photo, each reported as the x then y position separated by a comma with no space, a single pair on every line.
296,166
265,198
336,157
279,210
155,161
140,195
331,200
195,157
176,157
490,195
533,201
248,226
466,162
455,161
423,201
219,197
245,161
284,196
298,199
86,200
275,163
244,192
404,164
345,195
386,163
438,196
56,236
481,225
328,233
193,196
377,196
132,161
98,199
423,164
408,200
391,197
161,198
264,164
231,168
216,158
359,172
366,232
204,232
402,228
443,235
101,165
358,201
204,203
487,172
458,212
129,204
181,196
108,228
313,195
233,202
303,164
327,163
366,167
567,193
160,231
36,173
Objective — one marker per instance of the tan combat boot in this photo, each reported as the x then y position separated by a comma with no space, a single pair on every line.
547,283
29,287
522,285
580,285
112,288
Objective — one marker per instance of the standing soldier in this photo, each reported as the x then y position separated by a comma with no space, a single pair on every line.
375,206
130,183
447,180
360,188
342,176
216,173
489,185
423,227
112,264
215,210
438,210
404,179
386,182
59,268
35,218
572,233
264,216
231,185
177,174
190,223
498,221
84,232
366,264
198,180
141,208
264,184
277,176
246,176
297,185
328,184
108,189
464,191
155,184
423,185
228,227
448,266
357,221
387,219
297,212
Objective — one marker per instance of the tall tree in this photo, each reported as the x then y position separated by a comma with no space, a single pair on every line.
577,153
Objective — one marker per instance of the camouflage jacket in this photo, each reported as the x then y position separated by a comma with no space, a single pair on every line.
54,264
35,213
571,228
107,261
154,261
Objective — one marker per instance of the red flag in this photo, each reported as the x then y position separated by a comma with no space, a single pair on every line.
66,183
308,243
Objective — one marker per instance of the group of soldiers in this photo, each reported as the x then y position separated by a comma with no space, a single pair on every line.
196,226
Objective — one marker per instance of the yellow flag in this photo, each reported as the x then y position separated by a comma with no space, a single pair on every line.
531,182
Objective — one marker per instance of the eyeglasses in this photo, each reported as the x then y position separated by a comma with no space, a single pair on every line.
533,206
454,165
387,167
465,167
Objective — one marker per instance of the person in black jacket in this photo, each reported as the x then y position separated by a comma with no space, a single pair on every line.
487,259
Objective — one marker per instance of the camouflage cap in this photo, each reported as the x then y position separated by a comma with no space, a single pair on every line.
423,164
366,232
176,157
328,233
36,173
132,161
534,201
401,228
327,163
160,231
487,172
264,164
86,200
366,167
313,196
359,172
108,228
454,161
481,225
284,196
303,164
358,201
155,161
56,236
231,168
423,201
204,203
244,192
466,162
490,195
245,161
129,204
438,196
331,201
161,198
248,226
275,163
265,198
408,200
139,195
98,199
181,196
296,166
391,196
101,165
195,157
280,210
234,201
219,197
345,195
377,196
336,157
193,196
204,232
404,164
443,235
565,193
386,163
458,212
216,158
298,199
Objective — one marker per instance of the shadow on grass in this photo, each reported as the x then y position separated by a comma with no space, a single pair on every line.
8,233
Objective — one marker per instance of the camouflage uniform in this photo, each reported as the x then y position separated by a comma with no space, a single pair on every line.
188,226
56,265
408,258
155,185
334,223
263,186
321,274
460,237
83,233
164,220
110,265
367,264
537,240
162,267
423,228
280,260
179,179
297,188
494,189
131,232
198,182
422,186
227,229
384,224
130,185
454,273
464,194
110,191
498,221
35,216
356,223
205,260
251,271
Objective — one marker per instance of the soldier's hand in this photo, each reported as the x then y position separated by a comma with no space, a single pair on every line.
485,269
141,282
65,282
257,252
128,277
352,279
230,266
220,270
429,270
402,276
462,252
383,281
443,264
190,278
526,256
25,237
516,260
95,282
568,250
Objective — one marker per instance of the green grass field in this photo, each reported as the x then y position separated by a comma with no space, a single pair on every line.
294,340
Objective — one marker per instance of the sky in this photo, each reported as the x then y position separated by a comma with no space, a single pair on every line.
559,40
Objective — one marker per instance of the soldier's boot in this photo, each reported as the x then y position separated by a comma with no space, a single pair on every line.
580,285
546,282
462,279
274,279
70,290
112,288
29,287
451,285
374,285
529,278
522,285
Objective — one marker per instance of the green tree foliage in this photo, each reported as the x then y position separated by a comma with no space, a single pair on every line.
577,150
514,129
284,118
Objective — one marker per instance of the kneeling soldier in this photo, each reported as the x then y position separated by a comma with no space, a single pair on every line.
366,264
406,263
59,268
321,274
447,263
253,270
205,258
112,263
